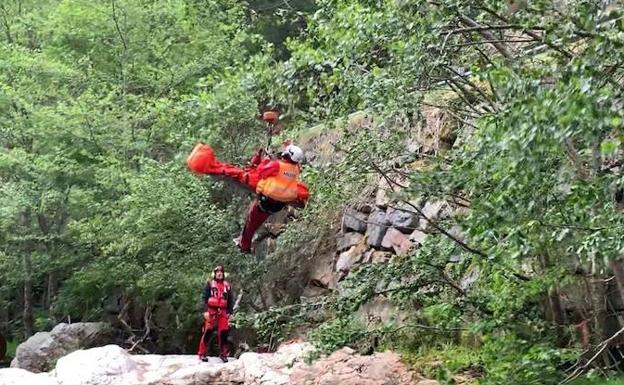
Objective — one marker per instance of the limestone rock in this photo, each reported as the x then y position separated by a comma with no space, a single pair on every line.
16,376
39,352
257,370
112,365
382,197
387,191
322,274
354,220
397,241
434,211
368,256
365,208
403,217
380,310
345,368
346,241
98,366
276,222
458,233
377,227
349,258
418,237
470,278
380,257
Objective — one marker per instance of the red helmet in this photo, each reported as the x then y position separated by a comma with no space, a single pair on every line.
270,117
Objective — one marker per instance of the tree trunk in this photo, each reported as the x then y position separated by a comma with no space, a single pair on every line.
27,314
557,314
4,315
29,323
51,289
599,307
618,271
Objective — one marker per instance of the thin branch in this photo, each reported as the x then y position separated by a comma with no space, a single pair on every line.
575,158
239,297
386,177
529,31
446,277
461,93
147,318
425,327
474,86
601,348
121,35
574,227
458,110
486,57
550,44
488,35
480,42
450,236
494,27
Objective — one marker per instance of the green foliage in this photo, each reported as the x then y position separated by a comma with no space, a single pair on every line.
335,333
11,348
455,359
276,324
99,104
100,101
598,380
530,163
513,360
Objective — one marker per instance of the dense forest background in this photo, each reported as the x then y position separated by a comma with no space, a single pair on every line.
100,101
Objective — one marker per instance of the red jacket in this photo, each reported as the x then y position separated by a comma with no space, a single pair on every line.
218,295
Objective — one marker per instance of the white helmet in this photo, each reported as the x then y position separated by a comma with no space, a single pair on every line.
294,153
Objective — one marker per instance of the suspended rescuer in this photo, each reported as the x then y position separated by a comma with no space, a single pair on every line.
277,186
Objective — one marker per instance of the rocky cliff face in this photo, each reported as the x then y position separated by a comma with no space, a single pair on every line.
380,225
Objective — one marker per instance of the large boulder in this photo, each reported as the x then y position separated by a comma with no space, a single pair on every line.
273,369
112,365
377,226
98,366
40,352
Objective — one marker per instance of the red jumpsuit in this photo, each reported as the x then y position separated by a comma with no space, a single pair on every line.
219,304
262,207
203,160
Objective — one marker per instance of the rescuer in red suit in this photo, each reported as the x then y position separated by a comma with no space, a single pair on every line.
218,308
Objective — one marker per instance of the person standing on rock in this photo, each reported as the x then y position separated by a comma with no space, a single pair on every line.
278,186
218,308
